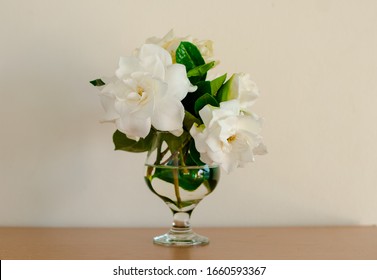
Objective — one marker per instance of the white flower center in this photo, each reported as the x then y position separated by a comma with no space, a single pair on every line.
140,90
231,138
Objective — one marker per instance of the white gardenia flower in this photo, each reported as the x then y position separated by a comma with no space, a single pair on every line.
171,43
241,87
146,91
227,138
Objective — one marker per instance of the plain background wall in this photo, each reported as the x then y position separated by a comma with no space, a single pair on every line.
314,61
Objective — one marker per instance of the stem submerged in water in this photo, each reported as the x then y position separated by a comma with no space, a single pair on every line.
176,182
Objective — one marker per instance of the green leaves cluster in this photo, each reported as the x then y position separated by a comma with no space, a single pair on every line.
189,55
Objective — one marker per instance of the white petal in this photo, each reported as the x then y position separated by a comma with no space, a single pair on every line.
151,50
246,156
206,159
168,114
109,96
154,66
206,114
213,144
245,90
178,82
127,65
108,104
249,123
134,127
177,132
231,105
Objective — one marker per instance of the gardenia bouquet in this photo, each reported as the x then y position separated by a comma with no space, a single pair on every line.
163,86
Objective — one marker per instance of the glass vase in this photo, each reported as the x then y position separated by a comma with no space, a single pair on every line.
173,175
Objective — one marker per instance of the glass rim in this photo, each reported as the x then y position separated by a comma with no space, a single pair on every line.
183,166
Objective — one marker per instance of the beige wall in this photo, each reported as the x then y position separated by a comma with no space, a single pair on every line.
316,66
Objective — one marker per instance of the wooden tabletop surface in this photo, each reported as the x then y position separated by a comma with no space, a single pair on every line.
278,243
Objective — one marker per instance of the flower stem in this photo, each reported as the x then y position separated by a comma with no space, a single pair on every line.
176,182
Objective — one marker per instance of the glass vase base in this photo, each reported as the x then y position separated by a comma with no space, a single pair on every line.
181,239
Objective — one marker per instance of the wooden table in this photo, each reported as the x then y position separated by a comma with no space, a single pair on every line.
225,243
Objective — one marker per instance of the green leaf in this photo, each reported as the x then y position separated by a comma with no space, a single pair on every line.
191,97
176,143
189,120
200,71
223,93
204,100
188,55
211,183
122,142
195,155
97,83
217,83
204,87
188,179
